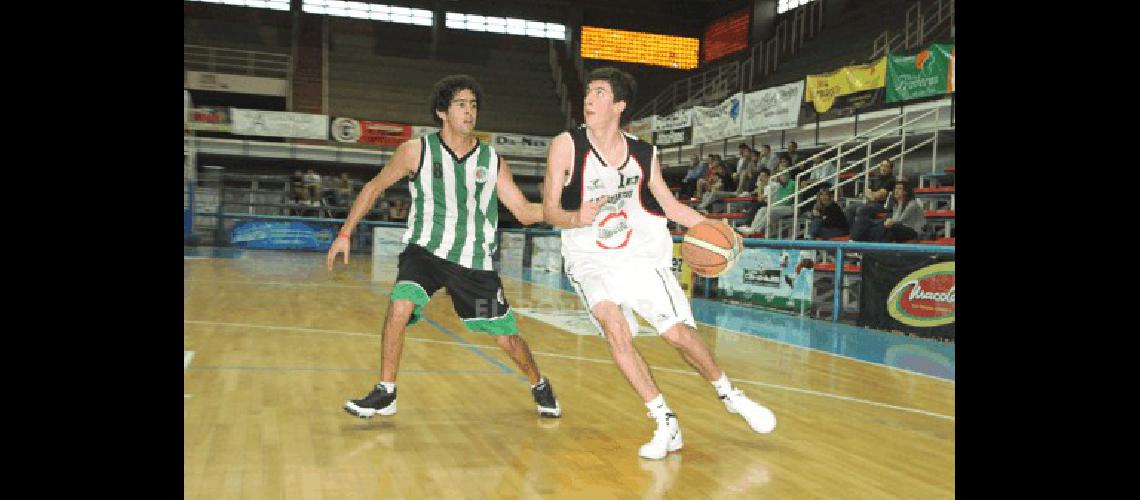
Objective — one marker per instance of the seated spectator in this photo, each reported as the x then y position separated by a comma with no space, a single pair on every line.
766,158
875,197
829,220
343,191
697,171
711,180
782,164
745,175
718,188
760,192
312,186
792,153
905,220
779,196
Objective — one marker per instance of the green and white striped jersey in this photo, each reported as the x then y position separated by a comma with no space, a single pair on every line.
455,209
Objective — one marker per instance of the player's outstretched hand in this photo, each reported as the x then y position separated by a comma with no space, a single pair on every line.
339,246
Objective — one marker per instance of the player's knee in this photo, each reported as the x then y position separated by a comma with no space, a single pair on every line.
508,341
678,334
403,309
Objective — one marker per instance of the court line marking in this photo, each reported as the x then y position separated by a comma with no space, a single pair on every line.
595,360
186,357
760,337
275,283
195,257
323,369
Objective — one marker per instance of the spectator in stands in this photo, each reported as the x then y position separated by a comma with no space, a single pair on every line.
718,188
793,153
829,219
875,198
745,156
906,219
312,186
745,175
783,187
344,191
767,159
705,184
760,192
782,165
697,171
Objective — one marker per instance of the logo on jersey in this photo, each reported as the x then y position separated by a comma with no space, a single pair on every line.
481,174
613,231
436,169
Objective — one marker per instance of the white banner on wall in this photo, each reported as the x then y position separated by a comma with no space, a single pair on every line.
280,124
717,122
776,108
521,145
679,119
220,82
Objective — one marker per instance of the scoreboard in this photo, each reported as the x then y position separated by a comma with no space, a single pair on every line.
669,51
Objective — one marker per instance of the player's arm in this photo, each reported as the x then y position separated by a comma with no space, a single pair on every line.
526,212
674,210
559,162
404,163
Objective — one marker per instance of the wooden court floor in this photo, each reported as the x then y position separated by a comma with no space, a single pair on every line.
274,345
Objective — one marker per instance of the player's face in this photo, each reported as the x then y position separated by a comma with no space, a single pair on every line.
461,113
900,192
599,104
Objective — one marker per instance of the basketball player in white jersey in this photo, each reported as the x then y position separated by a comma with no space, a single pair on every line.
455,182
604,189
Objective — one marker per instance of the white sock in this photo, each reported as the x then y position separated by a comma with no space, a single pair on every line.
389,386
657,406
722,384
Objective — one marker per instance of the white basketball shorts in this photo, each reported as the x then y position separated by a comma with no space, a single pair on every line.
653,293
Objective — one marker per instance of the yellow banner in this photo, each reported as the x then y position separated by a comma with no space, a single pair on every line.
821,90
683,271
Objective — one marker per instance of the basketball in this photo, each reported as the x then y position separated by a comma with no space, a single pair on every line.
711,248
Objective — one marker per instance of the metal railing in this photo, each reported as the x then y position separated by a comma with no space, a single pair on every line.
905,120
235,61
920,25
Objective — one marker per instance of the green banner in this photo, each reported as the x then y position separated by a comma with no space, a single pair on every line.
923,74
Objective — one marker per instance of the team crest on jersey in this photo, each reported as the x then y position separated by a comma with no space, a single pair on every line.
613,231
436,169
481,174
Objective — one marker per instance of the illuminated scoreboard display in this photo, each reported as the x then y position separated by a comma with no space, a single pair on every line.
726,35
642,48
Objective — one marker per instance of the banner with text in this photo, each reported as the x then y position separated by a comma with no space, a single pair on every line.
677,137
908,293
283,235
521,145
821,90
771,278
776,108
211,119
924,74
642,129
280,124
717,122
679,119
373,132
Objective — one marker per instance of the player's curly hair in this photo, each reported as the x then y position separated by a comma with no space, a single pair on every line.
445,90
623,85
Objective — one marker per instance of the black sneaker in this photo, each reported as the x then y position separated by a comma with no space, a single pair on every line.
544,398
379,401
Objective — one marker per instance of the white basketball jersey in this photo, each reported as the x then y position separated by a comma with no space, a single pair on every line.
631,225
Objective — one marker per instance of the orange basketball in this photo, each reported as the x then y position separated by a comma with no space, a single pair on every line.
711,248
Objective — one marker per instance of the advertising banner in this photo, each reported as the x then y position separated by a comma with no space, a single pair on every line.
283,235
642,129
771,278
717,122
679,119
683,271
682,137
821,90
280,124
908,293
521,145
224,82
373,132
776,108
211,119
924,74
511,250
546,253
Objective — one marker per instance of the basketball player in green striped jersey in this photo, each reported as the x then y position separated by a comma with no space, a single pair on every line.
456,183
619,257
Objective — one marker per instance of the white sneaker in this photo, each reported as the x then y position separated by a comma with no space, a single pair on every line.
759,418
666,438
